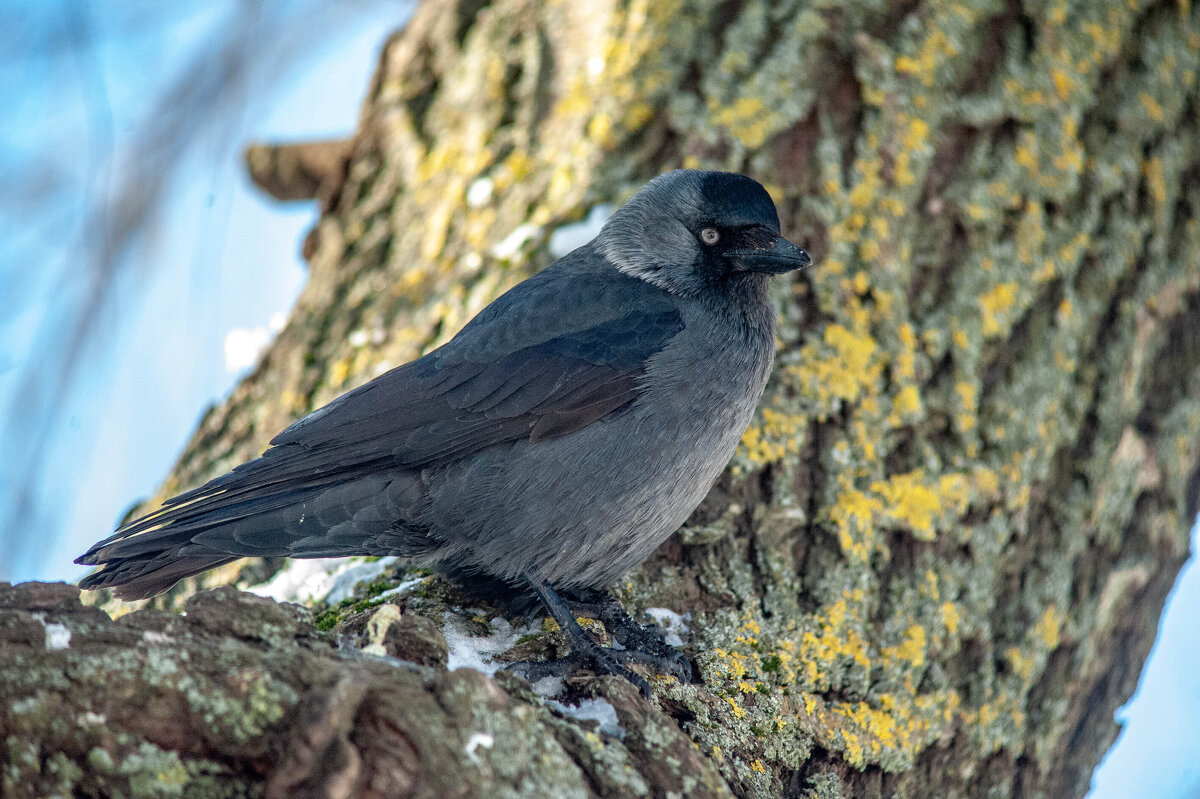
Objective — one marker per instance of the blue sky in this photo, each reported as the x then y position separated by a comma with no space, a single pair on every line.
219,257
222,259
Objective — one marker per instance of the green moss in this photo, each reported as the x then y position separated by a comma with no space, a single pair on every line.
326,620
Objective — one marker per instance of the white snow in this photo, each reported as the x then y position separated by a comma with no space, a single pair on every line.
674,625
549,687
600,710
57,635
479,193
331,579
514,242
243,345
478,739
476,652
568,237
405,586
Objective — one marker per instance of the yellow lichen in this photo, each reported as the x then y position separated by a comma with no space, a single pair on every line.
993,303
907,401
853,515
339,372
837,636
839,372
1153,109
1049,627
911,649
950,617
1021,662
780,435
910,501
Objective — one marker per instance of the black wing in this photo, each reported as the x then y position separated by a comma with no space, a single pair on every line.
553,355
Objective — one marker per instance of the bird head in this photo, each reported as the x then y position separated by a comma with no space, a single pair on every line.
687,231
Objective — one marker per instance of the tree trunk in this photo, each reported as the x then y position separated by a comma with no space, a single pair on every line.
936,563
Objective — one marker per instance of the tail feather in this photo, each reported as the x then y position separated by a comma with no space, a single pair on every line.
144,577
321,516
225,499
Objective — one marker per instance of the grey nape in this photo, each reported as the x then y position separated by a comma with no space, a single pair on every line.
555,442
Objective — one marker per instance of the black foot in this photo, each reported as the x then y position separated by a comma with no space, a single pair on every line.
644,644
601,660
584,648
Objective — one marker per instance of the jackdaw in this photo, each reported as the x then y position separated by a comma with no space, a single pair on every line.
550,446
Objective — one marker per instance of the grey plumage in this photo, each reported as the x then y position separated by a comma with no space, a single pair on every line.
557,439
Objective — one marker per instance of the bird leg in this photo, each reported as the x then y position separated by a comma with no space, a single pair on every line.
583,646
644,643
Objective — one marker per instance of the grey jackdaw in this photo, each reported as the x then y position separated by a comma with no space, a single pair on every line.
550,446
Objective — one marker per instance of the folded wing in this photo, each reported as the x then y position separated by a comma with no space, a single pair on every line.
538,363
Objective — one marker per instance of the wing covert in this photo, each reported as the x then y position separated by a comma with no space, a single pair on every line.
538,363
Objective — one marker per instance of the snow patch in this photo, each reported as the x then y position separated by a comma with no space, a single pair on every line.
479,193
478,739
600,710
155,637
331,579
243,345
674,625
577,234
57,635
514,242
404,587
478,651
549,687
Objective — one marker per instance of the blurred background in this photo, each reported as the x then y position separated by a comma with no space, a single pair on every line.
141,274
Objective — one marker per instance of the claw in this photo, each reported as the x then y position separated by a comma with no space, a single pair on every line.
600,659
648,640
644,645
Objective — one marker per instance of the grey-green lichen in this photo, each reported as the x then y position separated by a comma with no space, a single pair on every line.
147,771
158,705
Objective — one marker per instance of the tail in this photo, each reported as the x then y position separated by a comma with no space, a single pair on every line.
144,577
254,511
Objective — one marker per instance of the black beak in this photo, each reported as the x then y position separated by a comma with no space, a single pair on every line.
782,256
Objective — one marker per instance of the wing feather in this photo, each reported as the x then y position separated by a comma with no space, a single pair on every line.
554,355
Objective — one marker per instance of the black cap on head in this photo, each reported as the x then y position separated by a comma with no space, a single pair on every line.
738,200
688,231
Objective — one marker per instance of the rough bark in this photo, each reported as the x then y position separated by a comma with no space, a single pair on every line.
301,171
935,565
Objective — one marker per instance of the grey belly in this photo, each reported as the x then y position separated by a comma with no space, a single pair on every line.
580,510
